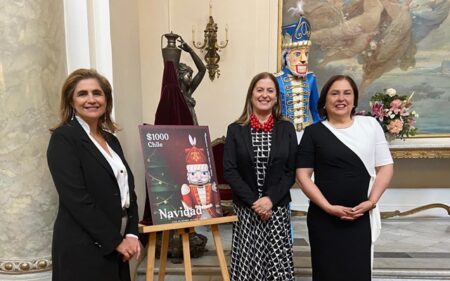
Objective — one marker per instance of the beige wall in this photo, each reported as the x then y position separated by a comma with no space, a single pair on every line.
127,84
418,173
252,35
137,26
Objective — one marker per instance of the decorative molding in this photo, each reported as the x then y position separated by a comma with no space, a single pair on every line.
413,153
421,147
24,267
386,215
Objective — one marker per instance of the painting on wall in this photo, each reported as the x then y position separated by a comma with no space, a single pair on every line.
400,44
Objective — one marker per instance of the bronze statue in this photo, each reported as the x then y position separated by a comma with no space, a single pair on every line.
187,84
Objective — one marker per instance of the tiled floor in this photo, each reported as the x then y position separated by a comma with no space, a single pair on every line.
408,249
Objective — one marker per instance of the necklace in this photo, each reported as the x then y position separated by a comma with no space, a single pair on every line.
258,126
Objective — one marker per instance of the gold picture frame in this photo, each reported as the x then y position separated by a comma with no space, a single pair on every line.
429,143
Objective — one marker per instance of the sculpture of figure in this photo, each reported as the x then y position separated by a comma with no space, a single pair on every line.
298,86
188,84
184,73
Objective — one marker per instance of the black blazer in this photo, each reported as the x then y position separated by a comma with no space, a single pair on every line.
87,226
239,166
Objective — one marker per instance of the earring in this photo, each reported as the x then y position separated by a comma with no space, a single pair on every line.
73,114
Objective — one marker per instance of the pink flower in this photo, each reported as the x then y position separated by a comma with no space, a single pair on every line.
395,126
404,113
377,110
396,106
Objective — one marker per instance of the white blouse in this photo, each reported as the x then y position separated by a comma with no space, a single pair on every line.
366,138
114,160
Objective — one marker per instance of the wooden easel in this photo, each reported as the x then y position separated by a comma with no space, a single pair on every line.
183,228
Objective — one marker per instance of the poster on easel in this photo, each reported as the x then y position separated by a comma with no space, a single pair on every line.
180,173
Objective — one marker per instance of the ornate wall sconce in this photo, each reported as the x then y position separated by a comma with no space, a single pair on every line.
211,46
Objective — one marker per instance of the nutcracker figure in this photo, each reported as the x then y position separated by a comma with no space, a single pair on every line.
298,87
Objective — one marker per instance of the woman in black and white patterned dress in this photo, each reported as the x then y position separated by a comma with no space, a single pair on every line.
259,162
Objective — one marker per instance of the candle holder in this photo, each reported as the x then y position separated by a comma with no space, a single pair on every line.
211,46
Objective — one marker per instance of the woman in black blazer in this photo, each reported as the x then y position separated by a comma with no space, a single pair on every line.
259,164
95,232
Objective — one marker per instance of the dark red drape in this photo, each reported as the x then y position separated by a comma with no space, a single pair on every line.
172,110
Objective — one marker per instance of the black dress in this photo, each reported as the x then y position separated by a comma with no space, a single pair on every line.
261,250
340,250
260,164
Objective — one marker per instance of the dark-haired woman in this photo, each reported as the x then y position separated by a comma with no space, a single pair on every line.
352,167
95,232
259,164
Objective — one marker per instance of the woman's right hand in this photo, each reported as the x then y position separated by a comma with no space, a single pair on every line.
129,247
263,207
265,216
342,212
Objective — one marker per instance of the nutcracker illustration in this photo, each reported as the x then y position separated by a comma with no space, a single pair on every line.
199,195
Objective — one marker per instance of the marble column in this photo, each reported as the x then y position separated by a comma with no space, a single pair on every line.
32,68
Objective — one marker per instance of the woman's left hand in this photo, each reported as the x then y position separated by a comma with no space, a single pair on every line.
361,208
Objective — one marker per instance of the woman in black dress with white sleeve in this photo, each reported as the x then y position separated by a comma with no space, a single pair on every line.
352,167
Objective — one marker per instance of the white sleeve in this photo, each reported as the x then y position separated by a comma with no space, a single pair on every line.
382,153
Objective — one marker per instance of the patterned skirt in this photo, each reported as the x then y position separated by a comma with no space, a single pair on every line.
260,250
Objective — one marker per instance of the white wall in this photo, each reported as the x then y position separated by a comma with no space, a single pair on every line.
88,38
77,34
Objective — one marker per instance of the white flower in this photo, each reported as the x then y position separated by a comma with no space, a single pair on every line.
392,116
391,92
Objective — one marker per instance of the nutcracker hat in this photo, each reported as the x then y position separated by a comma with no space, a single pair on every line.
195,157
297,34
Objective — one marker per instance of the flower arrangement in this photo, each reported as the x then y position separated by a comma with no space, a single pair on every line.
394,113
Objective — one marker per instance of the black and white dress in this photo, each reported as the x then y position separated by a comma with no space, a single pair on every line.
261,250
344,162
